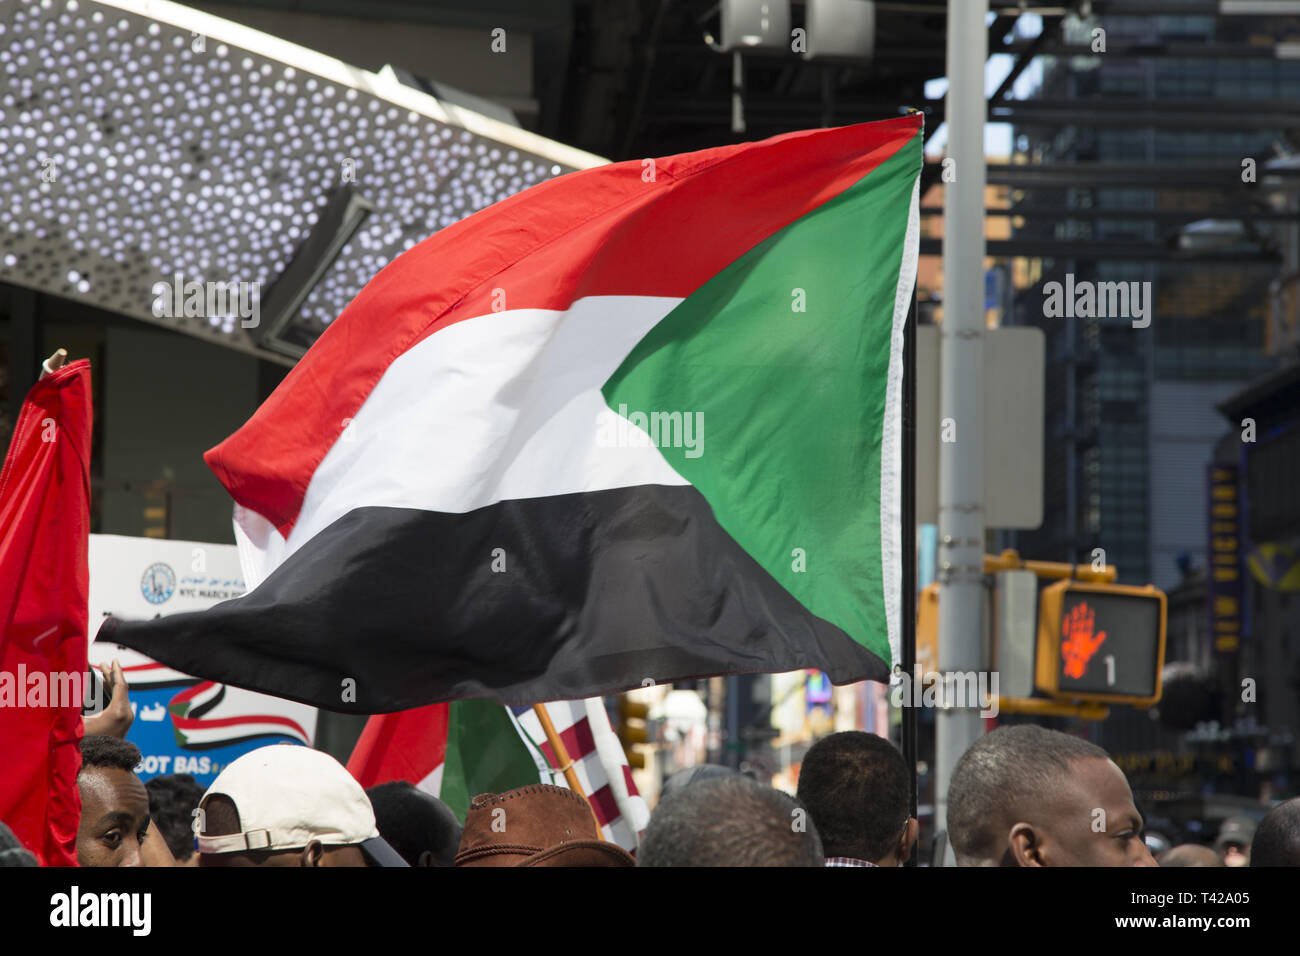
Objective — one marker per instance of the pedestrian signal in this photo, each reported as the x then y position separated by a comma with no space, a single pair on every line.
1100,642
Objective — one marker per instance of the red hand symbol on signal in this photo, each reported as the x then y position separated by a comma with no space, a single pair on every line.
1079,643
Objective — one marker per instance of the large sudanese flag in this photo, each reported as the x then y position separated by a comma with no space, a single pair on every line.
635,424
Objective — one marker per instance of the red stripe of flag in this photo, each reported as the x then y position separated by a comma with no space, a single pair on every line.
604,804
577,740
406,745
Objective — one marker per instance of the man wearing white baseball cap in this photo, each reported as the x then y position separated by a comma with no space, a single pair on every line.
288,805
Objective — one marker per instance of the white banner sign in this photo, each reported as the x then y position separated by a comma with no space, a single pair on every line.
183,724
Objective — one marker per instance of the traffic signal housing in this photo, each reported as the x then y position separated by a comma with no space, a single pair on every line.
633,729
1069,649
1100,642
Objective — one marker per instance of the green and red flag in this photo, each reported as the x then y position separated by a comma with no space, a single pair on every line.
459,750
638,423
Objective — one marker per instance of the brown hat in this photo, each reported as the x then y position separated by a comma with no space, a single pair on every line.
538,825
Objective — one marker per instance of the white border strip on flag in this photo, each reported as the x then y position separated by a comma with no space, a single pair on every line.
891,480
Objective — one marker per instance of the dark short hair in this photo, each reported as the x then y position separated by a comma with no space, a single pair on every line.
730,821
413,822
173,798
857,788
111,753
1277,840
1007,772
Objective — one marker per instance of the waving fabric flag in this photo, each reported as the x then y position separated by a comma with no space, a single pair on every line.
640,422
598,758
44,581
457,751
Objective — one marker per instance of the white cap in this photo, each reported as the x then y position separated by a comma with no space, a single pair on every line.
288,795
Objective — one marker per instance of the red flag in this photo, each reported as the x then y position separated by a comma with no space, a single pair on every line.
408,745
44,528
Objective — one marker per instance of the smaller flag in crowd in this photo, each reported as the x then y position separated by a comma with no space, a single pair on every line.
456,751
598,758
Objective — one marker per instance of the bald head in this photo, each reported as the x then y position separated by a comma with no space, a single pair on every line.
730,821
1277,841
1007,776
1190,854
1026,796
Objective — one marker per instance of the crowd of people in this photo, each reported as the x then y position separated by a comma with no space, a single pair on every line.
1020,796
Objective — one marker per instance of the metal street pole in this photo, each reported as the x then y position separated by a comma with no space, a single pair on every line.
961,386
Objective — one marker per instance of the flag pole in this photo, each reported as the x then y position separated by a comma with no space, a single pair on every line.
908,502
562,758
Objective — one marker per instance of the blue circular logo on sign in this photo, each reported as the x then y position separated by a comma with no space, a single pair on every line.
158,583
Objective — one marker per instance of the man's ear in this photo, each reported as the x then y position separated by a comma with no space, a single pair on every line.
1025,845
312,853
907,841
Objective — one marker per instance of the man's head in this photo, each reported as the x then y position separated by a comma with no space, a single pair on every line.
114,804
1234,840
1190,854
1277,841
172,801
689,775
287,805
418,825
1027,796
729,821
857,789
